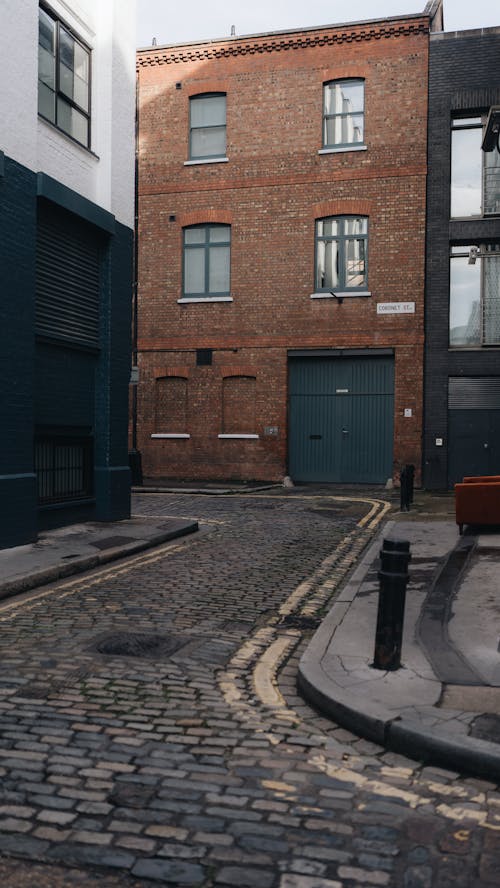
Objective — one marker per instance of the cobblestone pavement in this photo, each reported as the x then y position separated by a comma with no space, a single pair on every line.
151,731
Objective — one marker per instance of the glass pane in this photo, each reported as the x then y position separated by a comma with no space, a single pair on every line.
46,67
72,122
355,275
66,49
81,93
491,309
195,235
194,272
210,142
343,130
220,234
327,277
328,227
344,97
46,31
466,121
466,172
219,270
46,102
465,321
66,80
81,63
355,226
492,182
208,111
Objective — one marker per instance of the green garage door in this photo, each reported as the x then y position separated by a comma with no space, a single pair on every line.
341,419
473,427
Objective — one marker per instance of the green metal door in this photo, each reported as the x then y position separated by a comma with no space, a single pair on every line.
341,419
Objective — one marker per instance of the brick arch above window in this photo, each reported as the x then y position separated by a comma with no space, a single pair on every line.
330,75
202,217
346,207
206,87
163,372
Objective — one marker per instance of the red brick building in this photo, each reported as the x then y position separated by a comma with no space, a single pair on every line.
281,242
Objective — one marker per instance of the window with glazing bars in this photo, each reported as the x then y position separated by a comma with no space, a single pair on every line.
341,253
343,113
207,126
63,78
207,250
475,296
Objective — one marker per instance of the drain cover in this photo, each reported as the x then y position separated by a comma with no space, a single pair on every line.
112,542
297,621
486,727
132,644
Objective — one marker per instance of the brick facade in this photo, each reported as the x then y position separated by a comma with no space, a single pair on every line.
272,188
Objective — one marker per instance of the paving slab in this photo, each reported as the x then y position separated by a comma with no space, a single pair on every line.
78,547
426,709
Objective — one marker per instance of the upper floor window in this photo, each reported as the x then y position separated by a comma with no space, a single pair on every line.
341,253
343,113
63,78
475,174
207,126
475,296
207,250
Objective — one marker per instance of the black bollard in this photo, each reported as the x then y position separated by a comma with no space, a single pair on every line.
393,577
406,478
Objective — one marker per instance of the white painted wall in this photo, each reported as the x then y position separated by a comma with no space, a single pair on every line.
105,174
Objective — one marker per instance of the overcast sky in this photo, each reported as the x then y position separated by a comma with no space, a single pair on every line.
169,21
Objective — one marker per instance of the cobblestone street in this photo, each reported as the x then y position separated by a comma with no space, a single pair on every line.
151,731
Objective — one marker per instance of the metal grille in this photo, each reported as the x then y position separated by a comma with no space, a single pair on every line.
63,466
474,393
67,278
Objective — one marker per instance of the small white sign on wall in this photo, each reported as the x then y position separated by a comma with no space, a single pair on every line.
395,308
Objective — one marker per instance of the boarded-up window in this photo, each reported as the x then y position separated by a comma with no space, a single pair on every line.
238,405
171,404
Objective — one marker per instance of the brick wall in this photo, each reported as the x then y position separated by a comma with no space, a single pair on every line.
271,190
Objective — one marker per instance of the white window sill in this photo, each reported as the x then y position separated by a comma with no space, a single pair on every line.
170,435
342,148
188,163
242,437
341,294
185,299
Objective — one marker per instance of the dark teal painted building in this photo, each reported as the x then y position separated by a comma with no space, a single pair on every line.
65,323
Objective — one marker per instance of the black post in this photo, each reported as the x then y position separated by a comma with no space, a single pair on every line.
406,487
393,576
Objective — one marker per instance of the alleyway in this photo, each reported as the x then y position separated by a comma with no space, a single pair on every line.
151,732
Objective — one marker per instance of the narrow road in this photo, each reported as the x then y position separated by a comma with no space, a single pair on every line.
151,731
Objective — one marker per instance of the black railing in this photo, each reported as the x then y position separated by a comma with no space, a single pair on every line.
63,467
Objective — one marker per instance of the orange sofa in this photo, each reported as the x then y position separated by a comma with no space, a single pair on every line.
477,500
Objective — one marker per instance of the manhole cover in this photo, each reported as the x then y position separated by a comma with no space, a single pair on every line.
486,727
132,644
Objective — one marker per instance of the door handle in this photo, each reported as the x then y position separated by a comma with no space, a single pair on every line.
345,431
315,437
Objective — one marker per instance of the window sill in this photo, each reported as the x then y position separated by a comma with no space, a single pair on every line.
186,299
341,294
240,437
175,435
342,148
206,160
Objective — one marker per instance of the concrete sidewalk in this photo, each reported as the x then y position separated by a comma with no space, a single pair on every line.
443,704
69,550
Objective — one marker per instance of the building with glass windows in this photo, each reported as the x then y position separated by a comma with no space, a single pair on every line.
462,331
281,253
67,93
